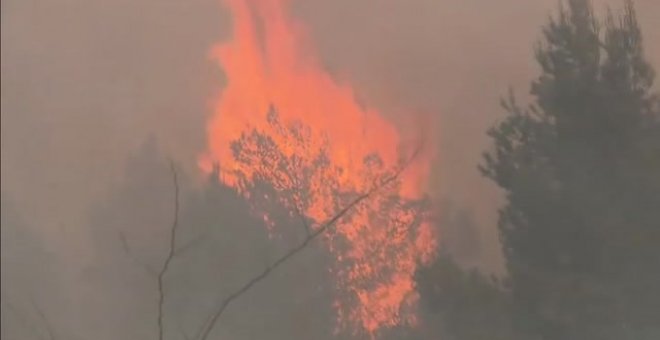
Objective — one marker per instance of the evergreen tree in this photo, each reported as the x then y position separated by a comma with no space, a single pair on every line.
580,168
461,304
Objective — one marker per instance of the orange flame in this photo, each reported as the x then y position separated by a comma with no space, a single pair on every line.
283,121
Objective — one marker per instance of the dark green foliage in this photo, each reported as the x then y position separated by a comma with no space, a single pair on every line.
462,304
581,171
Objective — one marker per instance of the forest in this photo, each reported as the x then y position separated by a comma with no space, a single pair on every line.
295,224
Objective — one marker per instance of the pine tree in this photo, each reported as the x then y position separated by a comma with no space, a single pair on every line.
580,168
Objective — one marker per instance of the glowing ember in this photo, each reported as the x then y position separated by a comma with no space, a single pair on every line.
285,124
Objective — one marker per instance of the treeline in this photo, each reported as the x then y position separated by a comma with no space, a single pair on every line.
580,230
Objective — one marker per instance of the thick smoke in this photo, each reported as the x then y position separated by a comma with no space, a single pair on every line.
85,83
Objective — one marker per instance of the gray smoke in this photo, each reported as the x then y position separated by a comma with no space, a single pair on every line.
85,83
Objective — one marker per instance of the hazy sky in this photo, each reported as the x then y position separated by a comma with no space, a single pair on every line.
84,82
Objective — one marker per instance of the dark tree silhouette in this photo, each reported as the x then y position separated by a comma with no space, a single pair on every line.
580,169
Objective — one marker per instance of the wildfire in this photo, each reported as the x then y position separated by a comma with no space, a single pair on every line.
283,122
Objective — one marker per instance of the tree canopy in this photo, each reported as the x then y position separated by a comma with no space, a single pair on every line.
580,170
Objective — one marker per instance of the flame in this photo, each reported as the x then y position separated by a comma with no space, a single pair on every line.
281,121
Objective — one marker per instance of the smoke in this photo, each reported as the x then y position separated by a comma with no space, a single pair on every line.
452,60
85,82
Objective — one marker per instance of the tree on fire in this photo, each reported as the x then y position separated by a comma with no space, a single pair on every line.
217,243
580,171
373,243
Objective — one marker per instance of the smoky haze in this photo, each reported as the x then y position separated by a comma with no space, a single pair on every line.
92,89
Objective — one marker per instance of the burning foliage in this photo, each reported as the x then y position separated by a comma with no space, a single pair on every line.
287,135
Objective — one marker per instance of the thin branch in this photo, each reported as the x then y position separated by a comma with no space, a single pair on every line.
170,254
21,318
42,316
208,326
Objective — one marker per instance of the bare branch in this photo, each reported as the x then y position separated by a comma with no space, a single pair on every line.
208,326
24,320
170,254
21,318
42,316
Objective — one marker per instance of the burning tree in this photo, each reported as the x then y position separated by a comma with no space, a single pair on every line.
376,243
371,231
288,135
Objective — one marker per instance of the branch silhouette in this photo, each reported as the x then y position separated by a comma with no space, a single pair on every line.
208,326
170,254
49,329
24,320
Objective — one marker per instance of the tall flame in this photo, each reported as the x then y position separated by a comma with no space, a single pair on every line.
283,121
